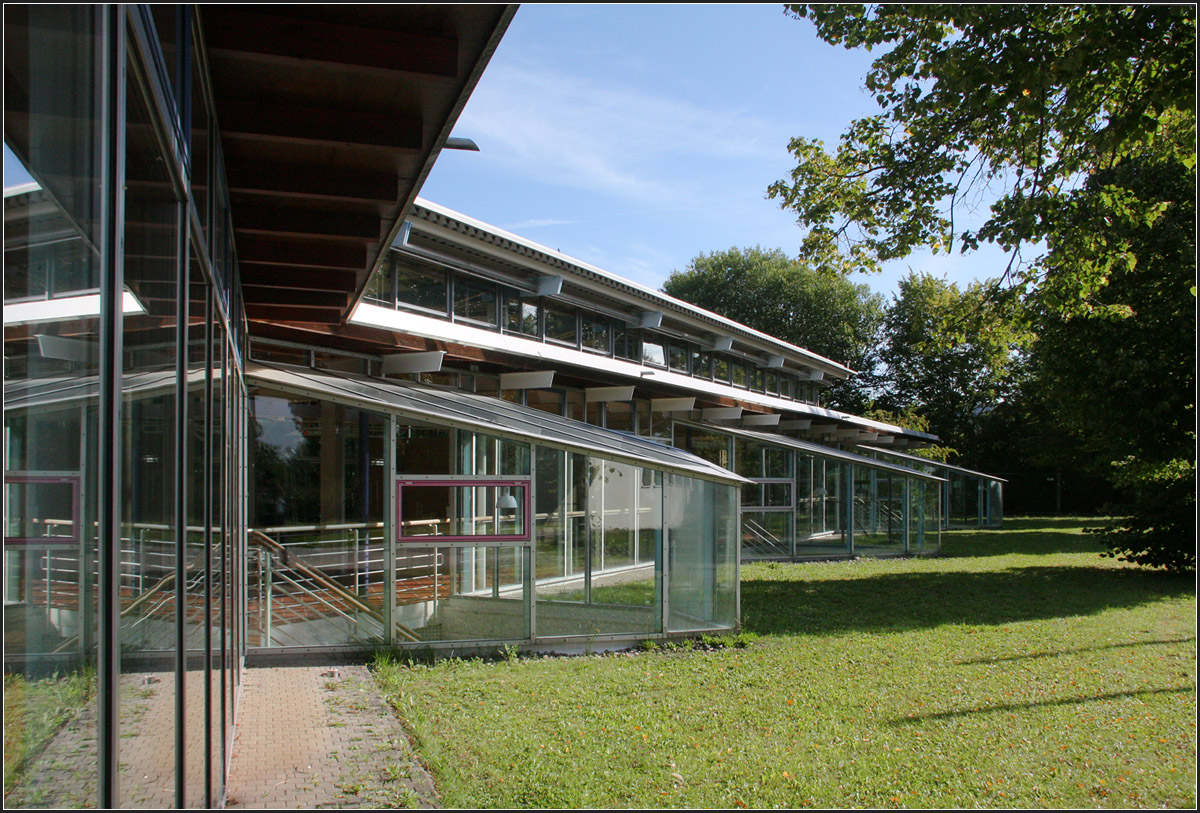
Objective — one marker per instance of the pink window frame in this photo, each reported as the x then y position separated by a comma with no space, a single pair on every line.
524,484
73,481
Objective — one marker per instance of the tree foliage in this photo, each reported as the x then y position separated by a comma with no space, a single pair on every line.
1021,102
768,291
949,355
1077,124
1116,377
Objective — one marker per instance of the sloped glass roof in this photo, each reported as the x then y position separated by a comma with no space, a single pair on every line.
816,449
482,413
924,461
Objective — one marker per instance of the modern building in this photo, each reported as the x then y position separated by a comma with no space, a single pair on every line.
261,401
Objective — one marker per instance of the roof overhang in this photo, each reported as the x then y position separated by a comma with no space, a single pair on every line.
330,118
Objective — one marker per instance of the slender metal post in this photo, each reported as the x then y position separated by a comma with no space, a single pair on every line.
111,76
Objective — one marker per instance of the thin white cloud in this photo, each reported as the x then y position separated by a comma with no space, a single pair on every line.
586,134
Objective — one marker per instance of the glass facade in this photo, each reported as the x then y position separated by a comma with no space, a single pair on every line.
487,539
123,413
805,500
969,499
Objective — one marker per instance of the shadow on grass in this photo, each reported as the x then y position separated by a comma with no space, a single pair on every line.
1030,536
1063,701
1060,652
907,601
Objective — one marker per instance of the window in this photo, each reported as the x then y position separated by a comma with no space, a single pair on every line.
654,352
521,314
475,300
678,357
595,333
560,324
721,368
420,286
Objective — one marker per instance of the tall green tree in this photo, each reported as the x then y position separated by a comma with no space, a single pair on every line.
1055,113
771,292
950,356
1116,377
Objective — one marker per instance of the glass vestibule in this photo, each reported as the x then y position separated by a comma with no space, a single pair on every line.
487,538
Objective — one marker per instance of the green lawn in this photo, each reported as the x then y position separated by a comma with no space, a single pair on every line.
1018,670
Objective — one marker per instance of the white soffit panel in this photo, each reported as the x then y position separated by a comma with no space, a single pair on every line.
429,361
548,353
596,394
533,380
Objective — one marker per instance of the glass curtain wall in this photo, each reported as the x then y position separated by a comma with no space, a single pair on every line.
121,538
484,538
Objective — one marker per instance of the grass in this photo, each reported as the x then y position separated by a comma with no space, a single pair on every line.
34,710
1018,670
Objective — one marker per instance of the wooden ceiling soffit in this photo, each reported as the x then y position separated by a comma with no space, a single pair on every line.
309,279
310,182
266,250
271,312
260,218
249,32
272,294
303,124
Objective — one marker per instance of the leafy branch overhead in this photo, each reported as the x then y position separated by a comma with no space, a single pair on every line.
1016,103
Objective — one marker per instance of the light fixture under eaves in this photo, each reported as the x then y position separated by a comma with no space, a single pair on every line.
456,143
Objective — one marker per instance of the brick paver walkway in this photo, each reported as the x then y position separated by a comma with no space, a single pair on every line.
319,736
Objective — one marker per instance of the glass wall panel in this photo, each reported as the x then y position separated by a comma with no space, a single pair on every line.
594,333
149,464
473,593
521,313
560,324
603,572
702,554
318,546
475,300
995,503
712,446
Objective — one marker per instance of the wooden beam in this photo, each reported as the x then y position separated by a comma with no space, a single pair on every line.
302,222
295,123
311,182
302,253
233,29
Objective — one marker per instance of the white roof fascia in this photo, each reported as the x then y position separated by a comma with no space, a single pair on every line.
658,297
429,327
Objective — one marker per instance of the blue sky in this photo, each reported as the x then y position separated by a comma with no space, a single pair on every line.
635,137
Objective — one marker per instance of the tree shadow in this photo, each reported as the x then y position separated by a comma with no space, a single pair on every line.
899,602
1057,653
1062,701
1030,536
